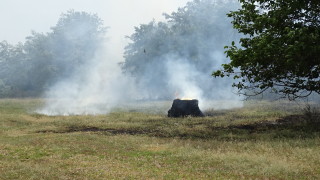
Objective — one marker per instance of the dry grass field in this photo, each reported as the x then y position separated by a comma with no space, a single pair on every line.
261,140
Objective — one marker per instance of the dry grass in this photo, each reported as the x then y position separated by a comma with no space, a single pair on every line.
259,141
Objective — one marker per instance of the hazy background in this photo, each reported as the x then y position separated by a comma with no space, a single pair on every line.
19,17
163,57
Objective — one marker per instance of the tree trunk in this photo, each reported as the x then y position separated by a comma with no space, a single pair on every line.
183,108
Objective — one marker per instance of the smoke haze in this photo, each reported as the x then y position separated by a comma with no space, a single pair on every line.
19,17
98,85
95,88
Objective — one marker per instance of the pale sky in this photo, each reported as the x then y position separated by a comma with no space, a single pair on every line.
19,17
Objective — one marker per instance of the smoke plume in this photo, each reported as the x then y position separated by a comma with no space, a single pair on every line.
99,85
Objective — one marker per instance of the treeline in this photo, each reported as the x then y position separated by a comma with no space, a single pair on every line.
195,34
29,69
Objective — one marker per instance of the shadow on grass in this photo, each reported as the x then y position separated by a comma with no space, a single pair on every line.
293,126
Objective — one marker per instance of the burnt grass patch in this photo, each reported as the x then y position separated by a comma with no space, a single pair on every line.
73,129
293,126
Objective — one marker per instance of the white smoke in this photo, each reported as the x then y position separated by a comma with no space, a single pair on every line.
99,86
95,88
184,80
183,77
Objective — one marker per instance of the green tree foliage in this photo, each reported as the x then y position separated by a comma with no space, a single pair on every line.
30,68
281,49
192,34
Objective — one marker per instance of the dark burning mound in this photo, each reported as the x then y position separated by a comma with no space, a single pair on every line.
182,108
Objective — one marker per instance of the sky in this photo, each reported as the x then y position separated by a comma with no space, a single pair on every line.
19,17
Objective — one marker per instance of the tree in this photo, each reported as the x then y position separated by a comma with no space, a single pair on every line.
280,50
144,56
5,54
29,69
75,38
187,35
13,69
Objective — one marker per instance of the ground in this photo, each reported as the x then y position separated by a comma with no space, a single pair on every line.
262,140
